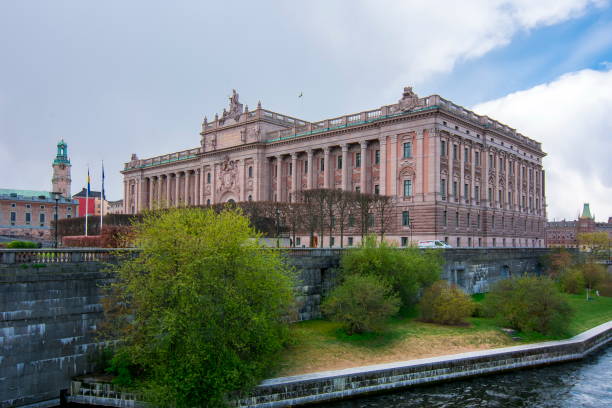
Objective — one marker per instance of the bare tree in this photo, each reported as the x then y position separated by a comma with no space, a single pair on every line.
363,206
311,217
344,205
384,210
331,197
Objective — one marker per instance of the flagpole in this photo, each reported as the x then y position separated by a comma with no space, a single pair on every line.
102,200
87,201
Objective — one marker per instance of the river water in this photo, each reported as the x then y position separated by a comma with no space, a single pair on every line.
587,383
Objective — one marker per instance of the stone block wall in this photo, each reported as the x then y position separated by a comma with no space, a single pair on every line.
48,318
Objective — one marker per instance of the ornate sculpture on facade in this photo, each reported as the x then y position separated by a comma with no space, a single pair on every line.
409,99
228,176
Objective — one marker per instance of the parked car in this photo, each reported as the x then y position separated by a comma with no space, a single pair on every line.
433,244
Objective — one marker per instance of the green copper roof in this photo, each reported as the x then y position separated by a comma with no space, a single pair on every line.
62,153
586,211
25,193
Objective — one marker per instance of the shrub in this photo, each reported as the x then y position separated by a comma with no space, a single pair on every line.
362,303
407,269
572,281
529,304
22,244
445,304
82,241
594,274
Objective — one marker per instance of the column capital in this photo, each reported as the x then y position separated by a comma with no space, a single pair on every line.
344,147
393,138
363,144
294,155
382,140
326,149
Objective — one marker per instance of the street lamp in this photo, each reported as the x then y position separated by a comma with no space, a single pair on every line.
410,225
277,212
56,196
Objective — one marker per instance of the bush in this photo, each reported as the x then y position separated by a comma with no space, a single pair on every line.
362,303
445,304
82,241
22,244
529,304
572,281
594,274
408,270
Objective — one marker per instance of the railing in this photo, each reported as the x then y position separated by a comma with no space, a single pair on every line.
166,158
62,256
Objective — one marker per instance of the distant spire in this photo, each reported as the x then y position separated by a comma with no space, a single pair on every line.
586,211
258,104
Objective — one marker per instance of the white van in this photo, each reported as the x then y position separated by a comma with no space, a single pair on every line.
433,244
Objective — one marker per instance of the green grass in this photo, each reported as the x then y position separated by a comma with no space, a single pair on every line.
588,314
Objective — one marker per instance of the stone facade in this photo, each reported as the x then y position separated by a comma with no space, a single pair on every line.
453,175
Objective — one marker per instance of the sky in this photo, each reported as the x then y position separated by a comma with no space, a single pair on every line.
114,78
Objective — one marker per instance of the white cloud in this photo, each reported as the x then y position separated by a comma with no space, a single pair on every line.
572,117
417,39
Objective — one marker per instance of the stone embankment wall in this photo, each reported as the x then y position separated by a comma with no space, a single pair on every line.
48,315
48,318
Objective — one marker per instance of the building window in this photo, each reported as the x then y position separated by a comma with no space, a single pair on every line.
207,178
494,242
443,148
376,189
455,152
339,160
490,196
458,242
466,156
357,159
250,171
250,198
377,157
28,206
446,240
501,164
69,209
298,241
445,219
404,241
493,221
68,216
455,189
28,218
290,168
405,218
477,193
504,242
407,150
322,165
407,188
469,216
370,219
357,189
350,241
469,242
208,202
42,207
466,193
478,220
477,158
305,167
457,219
351,220
331,241
479,242
443,188
41,219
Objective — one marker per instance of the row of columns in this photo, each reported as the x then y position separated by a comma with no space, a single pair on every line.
328,169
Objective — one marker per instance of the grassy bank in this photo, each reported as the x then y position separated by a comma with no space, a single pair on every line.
321,345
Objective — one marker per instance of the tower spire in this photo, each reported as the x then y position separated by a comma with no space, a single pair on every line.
61,180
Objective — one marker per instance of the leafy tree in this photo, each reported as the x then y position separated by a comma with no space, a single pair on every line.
558,262
572,280
529,304
203,309
594,274
445,304
406,269
362,303
596,243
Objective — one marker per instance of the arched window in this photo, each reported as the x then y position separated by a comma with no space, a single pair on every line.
207,178
250,171
250,198
208,202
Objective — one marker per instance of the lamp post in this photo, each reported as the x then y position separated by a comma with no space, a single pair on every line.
410,228
277,212
56,197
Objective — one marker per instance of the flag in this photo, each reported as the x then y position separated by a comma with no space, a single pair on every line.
88,183
103,195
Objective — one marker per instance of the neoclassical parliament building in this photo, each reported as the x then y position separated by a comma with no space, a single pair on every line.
452,174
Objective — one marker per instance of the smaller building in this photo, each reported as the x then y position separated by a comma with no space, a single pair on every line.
114,207
92,202
564,234
27,214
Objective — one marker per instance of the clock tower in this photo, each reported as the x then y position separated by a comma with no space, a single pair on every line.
61,170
